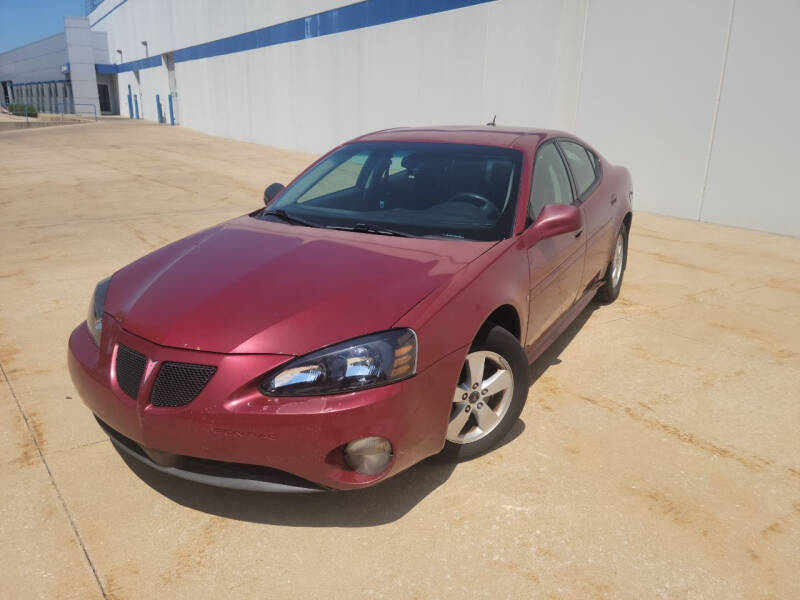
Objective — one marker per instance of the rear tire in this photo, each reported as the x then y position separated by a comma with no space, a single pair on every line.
612,280
492,389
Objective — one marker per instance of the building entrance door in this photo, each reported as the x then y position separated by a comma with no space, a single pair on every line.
105,98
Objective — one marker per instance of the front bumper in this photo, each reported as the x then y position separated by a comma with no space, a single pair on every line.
229,475
232,422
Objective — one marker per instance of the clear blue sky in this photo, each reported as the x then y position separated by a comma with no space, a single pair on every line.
24,21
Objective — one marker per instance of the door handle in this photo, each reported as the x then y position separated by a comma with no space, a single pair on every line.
578,234
613,199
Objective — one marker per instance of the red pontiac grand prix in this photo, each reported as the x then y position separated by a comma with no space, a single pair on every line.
382,308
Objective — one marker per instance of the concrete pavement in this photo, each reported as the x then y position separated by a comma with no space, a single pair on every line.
658,455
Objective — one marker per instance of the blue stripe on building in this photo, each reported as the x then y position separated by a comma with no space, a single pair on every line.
347,18
134,65
360,15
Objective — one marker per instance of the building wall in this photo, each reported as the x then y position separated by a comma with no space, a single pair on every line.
37,61
752,177
698,99
647,95
37,75
81,54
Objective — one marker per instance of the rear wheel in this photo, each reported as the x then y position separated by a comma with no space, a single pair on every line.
489,397
612,281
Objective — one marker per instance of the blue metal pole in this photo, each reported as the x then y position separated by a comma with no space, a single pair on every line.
171,113
158,109
130,103
136,105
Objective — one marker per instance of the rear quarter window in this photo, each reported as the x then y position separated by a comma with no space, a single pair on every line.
581,165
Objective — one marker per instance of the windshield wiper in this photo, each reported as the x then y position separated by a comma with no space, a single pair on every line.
444,236
284,216
365,228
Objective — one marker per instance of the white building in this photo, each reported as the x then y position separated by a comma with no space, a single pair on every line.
698,99
59,73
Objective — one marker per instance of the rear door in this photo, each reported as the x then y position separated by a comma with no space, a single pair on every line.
584,167
555,263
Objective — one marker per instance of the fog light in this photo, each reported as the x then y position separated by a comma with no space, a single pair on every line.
369,455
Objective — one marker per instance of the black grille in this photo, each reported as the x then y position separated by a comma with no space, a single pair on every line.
179,383
130,368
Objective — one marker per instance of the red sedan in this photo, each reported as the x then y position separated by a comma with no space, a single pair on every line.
382,308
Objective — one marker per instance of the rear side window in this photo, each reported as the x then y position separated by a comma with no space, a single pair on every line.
581,165
593,160
550,181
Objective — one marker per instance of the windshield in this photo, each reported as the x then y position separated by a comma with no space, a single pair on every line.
416,189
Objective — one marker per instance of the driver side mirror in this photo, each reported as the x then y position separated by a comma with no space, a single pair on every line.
556,219
272,191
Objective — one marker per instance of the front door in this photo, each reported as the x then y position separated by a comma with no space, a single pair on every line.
555,263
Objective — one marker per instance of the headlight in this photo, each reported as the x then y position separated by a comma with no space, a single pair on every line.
364,362
94,320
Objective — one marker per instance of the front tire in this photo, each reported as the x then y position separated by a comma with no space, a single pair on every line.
491,391
612,281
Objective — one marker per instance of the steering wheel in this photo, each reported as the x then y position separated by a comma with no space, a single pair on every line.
483,203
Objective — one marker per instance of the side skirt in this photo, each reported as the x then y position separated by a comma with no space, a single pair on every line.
561,324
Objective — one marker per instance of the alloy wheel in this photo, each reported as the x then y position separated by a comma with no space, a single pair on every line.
616,263
482,397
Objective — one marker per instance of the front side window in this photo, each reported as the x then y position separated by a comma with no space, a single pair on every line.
550,181
343,178
417,189
580,164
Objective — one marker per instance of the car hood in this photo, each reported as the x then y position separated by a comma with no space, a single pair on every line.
253,286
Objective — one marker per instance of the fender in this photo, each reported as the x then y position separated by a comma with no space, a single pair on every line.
450,317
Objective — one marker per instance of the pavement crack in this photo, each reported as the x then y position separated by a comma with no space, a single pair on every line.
53,482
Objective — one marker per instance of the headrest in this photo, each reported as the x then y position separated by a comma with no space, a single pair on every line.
412,161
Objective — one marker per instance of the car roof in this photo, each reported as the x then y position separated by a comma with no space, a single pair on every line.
482,135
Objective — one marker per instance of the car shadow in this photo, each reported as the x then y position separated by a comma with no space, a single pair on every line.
550,356
377,505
